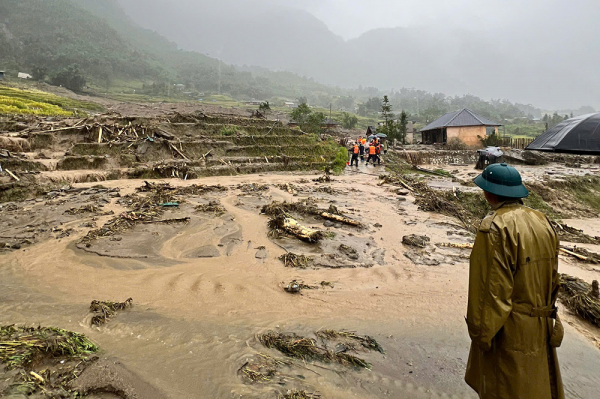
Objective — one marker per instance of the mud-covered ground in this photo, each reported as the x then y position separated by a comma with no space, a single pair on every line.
207,287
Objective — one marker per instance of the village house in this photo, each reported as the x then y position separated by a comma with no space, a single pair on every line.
464,124
23,75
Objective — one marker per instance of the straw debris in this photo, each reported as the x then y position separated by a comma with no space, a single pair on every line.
365,341
295,394
263,368
306,349
581,298
213,207
104,310
298,261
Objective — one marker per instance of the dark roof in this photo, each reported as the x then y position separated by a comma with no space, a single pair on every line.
371,129
579,135
464,117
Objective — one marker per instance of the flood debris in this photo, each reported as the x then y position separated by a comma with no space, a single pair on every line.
581,298
82,210
291,259
307,207
307,349
296,394
282,224
104,310
365,341
582,254
264,368
252,187
571,234
63,354
323,179
294,287
213,207
416,240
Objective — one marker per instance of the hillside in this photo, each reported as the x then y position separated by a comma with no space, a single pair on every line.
111,49
556,73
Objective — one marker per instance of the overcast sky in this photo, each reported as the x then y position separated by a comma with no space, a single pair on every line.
350,18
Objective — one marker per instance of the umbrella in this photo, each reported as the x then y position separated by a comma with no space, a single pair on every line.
381,135
579,135
374,136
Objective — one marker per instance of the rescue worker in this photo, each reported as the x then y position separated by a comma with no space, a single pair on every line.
372,154
513,284
378,151
361,149
355,152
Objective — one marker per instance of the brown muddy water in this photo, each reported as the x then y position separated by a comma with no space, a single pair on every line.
203,291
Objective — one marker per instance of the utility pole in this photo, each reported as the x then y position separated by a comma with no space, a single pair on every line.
219,76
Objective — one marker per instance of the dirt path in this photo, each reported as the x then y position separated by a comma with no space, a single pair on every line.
202,293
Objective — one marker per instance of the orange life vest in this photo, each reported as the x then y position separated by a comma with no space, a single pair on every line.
372,150
355,149
378,149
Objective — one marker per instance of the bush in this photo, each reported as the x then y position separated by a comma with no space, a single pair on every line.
70,77
493,140
456,144
228,131
340,161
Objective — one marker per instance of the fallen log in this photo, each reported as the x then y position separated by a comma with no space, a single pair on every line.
99,134
580,257
178,152
338,218
292,227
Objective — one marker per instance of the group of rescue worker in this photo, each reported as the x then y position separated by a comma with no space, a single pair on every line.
362,147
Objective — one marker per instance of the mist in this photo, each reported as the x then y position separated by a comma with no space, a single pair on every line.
538,52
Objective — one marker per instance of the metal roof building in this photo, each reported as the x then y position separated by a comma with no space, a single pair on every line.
464,124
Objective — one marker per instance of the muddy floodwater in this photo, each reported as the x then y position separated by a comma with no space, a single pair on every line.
204,290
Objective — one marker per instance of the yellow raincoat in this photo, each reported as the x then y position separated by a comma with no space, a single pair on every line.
511,314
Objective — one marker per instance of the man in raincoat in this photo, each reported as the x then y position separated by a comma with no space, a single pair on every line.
513,284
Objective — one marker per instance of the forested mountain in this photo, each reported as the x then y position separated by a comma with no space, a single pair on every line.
49,36
532,60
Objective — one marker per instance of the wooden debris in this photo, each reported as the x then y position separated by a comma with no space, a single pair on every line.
12,175
579,297
104,310
292,227
339,218
566,251
453,245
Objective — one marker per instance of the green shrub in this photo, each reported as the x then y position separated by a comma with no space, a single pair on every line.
340,161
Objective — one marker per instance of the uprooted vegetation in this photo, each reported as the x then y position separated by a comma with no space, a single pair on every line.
294,260
308,349
105,310
47,359
581,298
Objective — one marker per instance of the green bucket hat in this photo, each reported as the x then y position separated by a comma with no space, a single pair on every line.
502,180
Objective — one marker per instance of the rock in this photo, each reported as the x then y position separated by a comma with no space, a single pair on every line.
401,199
378,225
337,225
262,253
402,192
415,240
328,223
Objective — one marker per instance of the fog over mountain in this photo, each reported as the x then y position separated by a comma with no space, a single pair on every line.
543,52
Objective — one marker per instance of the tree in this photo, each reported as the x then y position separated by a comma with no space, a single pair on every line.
302,100
70,77
39,73
390,128
402,127
264,107
349,121
301,113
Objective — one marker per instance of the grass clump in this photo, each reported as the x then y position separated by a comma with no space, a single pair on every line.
20,345
366,341
213,207
230,130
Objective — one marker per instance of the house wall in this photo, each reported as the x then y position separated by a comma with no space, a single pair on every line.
467,134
